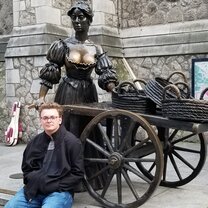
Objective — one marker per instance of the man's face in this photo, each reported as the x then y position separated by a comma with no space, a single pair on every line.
50,120
79,20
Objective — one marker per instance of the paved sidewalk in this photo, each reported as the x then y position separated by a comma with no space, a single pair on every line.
191,195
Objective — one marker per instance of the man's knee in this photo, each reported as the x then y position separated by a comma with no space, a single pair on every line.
58,200
18,200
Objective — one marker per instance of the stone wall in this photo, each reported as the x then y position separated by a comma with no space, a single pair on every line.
6,15
150,67
110,12
4,114
6,25
152,12
23,85
31,12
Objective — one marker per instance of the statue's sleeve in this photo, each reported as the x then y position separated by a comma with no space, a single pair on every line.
56,52
51,73
105,70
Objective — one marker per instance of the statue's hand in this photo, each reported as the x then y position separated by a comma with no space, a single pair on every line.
110,86
37,104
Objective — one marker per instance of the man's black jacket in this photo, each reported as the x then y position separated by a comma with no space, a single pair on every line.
67,164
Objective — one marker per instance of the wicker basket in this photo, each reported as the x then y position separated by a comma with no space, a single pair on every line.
126,96
154,88
184,109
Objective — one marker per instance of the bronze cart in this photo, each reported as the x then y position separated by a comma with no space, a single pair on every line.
137,153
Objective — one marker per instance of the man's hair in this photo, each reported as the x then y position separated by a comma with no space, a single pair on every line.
52,105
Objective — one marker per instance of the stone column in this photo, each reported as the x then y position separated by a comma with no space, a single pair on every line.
105,31
105,26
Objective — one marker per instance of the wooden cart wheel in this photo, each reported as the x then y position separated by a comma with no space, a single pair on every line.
184,157
111,158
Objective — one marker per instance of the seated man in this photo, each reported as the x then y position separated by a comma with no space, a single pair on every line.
52,164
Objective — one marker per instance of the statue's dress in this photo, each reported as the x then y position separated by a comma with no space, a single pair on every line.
77,87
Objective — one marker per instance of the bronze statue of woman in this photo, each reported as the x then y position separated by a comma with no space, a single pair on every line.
80,56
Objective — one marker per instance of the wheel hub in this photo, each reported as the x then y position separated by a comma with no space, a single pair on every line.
115,160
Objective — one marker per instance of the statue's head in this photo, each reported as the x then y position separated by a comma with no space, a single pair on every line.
84,7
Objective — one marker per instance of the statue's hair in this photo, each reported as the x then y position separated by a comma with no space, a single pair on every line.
84,7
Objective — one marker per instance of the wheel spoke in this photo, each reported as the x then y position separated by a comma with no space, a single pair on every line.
139,160
183,160
165,166
98,147
136,172
147,149
173,135
109,179
152,167
126,138
116,133
105,137
175,166
96,160
182,139
186,150
98,173
136,147
119,187
131,186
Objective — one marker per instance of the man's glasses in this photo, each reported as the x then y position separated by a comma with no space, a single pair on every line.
47,118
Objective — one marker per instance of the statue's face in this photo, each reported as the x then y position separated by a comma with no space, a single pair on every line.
79,20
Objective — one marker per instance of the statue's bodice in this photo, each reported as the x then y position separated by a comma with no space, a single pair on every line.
80,60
